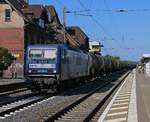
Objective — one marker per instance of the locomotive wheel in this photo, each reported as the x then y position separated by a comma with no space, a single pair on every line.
92,72
53,89
35,91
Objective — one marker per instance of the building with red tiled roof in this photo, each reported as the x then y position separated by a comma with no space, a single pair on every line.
79,36
18,29
22,24
53,16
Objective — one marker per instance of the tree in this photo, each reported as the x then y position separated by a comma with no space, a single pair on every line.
112,57
5,60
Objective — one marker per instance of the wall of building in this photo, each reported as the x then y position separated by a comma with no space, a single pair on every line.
16,20
16,35
12,38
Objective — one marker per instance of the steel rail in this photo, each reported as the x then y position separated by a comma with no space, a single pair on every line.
62,112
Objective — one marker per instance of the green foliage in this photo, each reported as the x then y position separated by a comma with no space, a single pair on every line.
5,59
112,57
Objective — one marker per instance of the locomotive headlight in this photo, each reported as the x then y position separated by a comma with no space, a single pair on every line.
29,71
54,71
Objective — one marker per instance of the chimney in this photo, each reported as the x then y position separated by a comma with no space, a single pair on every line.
24,3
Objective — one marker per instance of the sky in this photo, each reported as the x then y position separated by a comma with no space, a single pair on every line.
125,34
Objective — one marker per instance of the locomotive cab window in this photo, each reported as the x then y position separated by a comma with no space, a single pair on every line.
50,54
7,15
43,53
35,53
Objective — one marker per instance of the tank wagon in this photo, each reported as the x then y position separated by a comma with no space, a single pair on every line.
50,66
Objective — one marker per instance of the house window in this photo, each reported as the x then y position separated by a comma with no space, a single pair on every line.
41,23
7,15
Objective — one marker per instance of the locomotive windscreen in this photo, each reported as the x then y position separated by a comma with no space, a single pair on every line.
50,53
43,53
35,53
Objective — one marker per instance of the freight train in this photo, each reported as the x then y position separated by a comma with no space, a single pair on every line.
50,66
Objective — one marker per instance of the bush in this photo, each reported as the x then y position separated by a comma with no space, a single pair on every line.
5,60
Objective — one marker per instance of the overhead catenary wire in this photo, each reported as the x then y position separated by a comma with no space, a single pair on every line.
97,22
93,18
114,23
88,10
104,30
119,10
91,3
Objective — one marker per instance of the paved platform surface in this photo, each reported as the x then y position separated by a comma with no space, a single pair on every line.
119,107
143,97
131,103
10,81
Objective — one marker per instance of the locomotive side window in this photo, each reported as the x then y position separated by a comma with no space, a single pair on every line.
64,56
35,53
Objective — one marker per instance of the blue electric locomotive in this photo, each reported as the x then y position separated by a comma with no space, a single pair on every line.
48,66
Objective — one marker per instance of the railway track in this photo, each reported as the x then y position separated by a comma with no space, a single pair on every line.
11,92
8,86
7,109
14,95
47,108
85,108
4,100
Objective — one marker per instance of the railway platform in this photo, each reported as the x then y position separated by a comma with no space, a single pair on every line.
131,101
7,85
10,81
